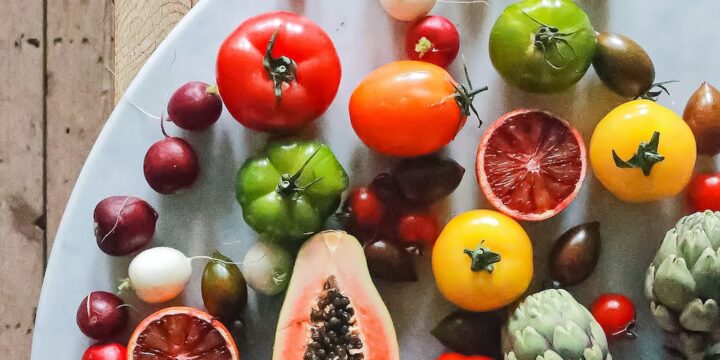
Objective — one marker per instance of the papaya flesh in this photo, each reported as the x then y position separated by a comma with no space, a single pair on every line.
332,309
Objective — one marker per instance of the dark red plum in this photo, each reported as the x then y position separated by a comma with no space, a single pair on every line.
195,106
123,224
102,315
171,165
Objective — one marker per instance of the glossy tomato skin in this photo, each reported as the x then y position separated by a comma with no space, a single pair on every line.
108,351
615,313
515,55
406,109
704,192
622,130
458,356
441,44
481,289
246,87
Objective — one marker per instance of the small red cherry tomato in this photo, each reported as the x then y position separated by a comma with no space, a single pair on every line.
616,315
433,39
704,192
418,228
109,351
458,356
365,208
277,71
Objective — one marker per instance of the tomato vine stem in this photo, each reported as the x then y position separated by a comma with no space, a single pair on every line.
281,70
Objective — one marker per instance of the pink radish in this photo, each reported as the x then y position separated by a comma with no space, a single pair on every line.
195,106
123,224
102,315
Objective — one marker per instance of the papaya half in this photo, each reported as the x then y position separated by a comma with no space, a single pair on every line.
332,309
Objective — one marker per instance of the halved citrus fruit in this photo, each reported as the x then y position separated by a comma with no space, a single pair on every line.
530,164
181,333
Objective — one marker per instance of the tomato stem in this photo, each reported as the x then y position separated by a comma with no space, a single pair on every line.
645,158
655,90
482,258
465,95
288,183
548,38
281,70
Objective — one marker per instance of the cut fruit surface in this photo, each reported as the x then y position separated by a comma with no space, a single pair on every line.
332,309
181,333
530,164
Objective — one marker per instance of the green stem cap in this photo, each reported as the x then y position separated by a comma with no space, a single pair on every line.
645,158
482,258
281,70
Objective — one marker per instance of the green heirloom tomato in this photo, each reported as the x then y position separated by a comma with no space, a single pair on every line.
542,45
287,192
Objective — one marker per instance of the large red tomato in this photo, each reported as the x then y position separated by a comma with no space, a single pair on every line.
409,108
277,71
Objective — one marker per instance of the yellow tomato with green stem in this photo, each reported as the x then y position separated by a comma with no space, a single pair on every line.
642,151
482,260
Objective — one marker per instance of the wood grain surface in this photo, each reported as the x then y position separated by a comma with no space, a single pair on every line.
140,26
57,90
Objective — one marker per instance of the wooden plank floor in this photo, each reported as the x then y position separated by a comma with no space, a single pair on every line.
56,92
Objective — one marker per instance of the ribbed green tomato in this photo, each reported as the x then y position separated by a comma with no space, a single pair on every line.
542,45
287,192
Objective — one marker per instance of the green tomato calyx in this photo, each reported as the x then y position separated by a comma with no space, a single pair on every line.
465,95
423,46
482,258
550,41
288,185
655,90
645,158
281,70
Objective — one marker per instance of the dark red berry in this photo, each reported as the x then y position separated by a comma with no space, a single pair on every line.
171,165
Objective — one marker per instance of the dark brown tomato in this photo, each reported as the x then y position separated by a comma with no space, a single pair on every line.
427,179
623,65
387,261
574,254
224,291
702,114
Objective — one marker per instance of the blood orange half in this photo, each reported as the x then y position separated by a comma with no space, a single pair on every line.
530,164
181,333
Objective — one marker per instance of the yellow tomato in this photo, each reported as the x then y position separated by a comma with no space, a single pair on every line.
624,130
483,260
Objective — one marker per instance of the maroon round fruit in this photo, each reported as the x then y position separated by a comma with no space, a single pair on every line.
102,315
365,208
123,224
109,351
418,228
195,106
171,165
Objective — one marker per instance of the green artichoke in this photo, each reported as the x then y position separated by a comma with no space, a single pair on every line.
683,286
551,325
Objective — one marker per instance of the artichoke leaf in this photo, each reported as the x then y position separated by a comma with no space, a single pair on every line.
593,353
551,355
598,335
692,246
711,226
699,316
668,247
529,344
570,341
706,273
649,282
665,319
674,284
